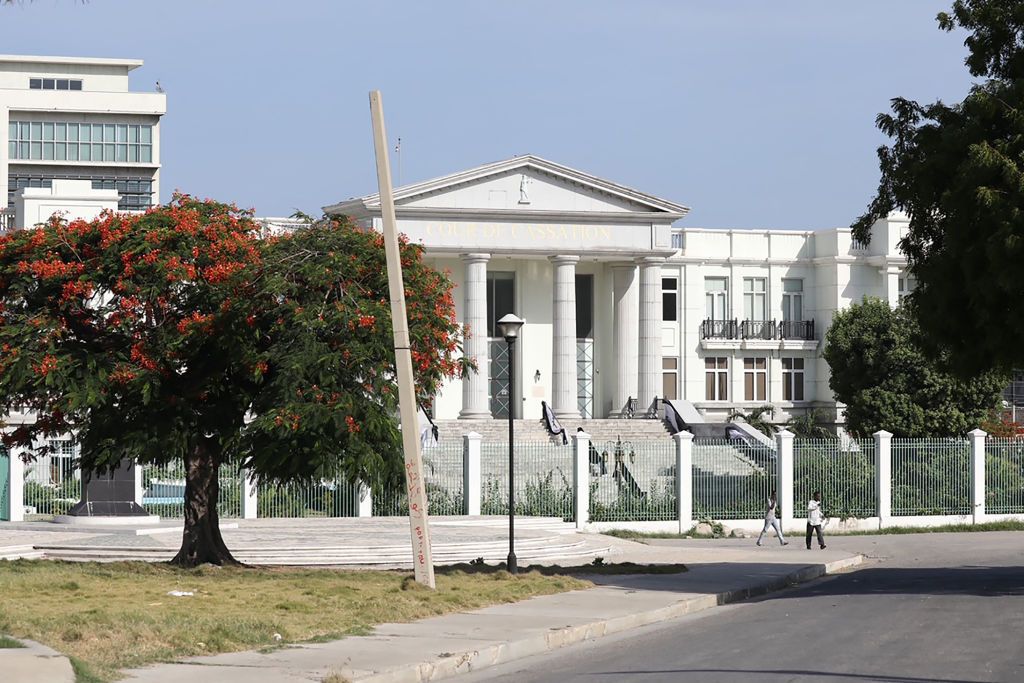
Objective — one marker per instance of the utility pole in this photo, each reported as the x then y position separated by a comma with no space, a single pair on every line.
419,528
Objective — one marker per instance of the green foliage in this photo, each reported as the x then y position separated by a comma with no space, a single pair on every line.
814,424
1004,478
879,370
631,505
53,500
549,495
758,418
957,171
931,479
846,478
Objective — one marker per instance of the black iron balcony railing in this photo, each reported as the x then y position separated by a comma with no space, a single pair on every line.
719,329
757,329
796,329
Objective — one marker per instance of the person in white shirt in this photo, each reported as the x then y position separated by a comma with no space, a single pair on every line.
814,519
771,521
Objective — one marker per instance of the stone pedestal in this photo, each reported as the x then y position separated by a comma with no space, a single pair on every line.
109,498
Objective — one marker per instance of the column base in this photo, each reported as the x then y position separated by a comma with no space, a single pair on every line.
567,414
475,416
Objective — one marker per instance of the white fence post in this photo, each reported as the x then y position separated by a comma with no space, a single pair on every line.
365,505
684,479
784,463
883,475
581,478
16,492
138,474
977,475
250,494
471,474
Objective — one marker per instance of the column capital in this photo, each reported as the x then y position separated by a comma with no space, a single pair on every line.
649,260
475,258
622,265
564,258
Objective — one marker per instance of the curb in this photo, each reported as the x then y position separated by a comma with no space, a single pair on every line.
502,653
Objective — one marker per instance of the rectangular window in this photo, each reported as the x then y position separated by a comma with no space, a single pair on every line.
907,285
76,85
755,379
716,297
755,298
669,298
716,379
49,84
792,379
62,84
35,83
670,378
500,299
585,306
792,299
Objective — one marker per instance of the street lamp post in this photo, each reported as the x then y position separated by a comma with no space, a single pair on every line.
509,326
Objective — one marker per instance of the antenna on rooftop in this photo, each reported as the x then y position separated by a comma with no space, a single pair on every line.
398,154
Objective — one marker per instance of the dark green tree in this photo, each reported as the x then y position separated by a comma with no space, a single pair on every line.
879,370
184,334
957,171
759,418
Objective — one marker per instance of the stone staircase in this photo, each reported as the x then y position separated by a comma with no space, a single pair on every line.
600,431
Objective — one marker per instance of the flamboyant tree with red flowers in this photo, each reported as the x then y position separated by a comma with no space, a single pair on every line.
186,334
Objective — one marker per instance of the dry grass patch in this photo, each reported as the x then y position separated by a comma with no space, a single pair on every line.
118,615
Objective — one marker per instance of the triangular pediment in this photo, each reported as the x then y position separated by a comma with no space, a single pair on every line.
521,184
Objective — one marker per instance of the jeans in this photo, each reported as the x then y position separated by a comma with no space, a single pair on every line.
772,523
814,527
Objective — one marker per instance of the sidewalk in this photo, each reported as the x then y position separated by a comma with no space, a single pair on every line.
721,571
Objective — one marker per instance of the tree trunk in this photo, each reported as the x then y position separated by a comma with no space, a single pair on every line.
201,541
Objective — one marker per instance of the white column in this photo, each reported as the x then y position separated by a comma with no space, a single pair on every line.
250,495
684,479
563,345
364,507
784,488
883,475
471,473
16,492
649,364
977,475
581,478
474,386
892,285
627,324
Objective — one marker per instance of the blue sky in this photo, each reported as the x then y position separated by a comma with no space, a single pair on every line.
755,114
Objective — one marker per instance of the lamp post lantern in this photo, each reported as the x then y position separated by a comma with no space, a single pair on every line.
509,327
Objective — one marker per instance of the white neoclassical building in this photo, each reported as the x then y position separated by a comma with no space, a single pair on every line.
621,303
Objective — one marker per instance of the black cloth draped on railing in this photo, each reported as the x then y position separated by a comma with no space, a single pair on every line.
675,422
553,425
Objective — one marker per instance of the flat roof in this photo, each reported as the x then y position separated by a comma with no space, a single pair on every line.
92,61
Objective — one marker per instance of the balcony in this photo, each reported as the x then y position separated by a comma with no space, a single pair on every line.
786,334
6,219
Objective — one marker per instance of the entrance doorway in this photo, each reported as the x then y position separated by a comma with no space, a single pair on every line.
500,302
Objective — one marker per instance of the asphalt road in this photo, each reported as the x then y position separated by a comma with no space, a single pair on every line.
928,607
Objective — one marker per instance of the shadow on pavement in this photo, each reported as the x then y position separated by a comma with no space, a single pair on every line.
760,674
999,581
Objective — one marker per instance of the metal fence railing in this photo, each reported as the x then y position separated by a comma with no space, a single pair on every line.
842,470
326,498
633,481
543,481
442,474
931,477
163,490
732,479
1004,475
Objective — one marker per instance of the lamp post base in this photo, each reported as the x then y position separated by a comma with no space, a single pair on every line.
513,568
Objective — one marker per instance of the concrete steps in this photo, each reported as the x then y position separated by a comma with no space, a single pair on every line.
532,549
20,552
535,430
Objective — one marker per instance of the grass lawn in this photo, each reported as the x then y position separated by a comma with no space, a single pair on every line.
110,616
